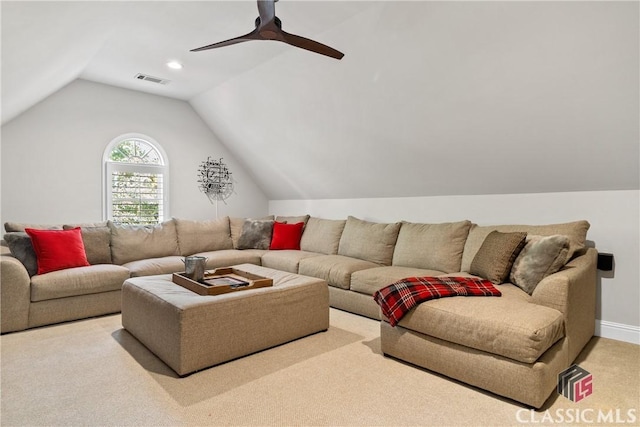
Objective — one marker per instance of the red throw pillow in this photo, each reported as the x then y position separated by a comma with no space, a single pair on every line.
286,236
58,249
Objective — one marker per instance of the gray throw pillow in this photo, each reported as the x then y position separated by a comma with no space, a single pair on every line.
97,243
256,234
20,246
540,257
235,224
496,255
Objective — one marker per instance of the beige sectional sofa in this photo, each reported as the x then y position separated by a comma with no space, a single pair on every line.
513,345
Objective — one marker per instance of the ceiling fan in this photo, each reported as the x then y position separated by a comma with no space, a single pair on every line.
269,27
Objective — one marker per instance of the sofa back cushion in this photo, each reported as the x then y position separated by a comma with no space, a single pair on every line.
576,232
134,242
322,235
20,226
203,236
293,219
369,241
431,246
11,227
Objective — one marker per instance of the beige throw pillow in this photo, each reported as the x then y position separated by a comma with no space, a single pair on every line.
540,257
496,255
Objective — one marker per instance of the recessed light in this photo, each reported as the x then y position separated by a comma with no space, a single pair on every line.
174,64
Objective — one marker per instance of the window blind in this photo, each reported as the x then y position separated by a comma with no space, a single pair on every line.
137,197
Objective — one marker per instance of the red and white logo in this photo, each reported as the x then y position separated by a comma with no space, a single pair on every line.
575,383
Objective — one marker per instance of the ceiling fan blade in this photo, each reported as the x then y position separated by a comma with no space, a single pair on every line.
311,45
267,11
253,35
269,27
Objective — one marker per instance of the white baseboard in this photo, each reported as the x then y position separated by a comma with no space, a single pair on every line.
618,331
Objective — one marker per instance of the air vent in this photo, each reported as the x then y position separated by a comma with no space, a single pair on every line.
152,79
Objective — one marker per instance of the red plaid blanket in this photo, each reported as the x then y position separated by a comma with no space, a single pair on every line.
400,297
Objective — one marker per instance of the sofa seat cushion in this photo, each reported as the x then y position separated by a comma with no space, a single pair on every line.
229,257
335,269
153,266
76,281
510,326
373,279
286,260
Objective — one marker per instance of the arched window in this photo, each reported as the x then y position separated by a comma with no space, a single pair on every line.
135,180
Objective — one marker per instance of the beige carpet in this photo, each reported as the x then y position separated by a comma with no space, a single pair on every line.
92,372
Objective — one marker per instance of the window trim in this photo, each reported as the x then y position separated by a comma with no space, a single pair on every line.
108,166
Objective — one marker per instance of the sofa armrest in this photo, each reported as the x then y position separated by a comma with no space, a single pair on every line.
15,294
572,291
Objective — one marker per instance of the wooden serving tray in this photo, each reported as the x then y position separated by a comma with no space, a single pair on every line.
222,281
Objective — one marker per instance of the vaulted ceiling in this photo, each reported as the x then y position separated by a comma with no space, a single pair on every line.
431,98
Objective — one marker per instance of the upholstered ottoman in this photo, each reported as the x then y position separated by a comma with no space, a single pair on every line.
190,332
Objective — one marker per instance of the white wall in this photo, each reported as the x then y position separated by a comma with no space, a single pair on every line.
437,98
613,216
52,154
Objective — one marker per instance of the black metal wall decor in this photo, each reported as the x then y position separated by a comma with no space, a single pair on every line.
215,181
